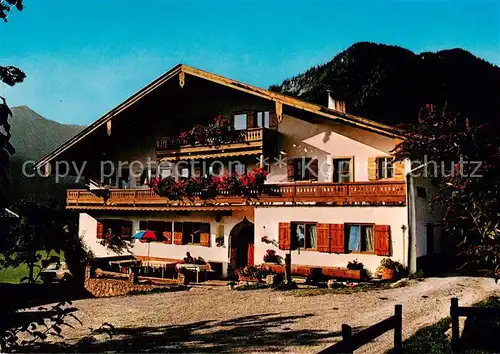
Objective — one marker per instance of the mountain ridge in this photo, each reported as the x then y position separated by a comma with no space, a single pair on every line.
389,84
34,135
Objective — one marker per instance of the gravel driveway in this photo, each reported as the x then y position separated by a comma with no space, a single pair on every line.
221,320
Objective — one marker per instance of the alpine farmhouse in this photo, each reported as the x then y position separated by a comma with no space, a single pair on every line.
332,192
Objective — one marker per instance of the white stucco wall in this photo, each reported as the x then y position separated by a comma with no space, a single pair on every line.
268,218
319,139
425,214
88,228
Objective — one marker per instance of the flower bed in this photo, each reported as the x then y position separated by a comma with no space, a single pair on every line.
246,185
218,132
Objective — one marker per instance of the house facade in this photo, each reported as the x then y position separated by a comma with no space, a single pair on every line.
332,192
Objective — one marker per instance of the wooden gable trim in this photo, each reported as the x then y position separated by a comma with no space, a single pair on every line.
112,113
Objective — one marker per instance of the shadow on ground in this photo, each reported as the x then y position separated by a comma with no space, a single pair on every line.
19,296
266,332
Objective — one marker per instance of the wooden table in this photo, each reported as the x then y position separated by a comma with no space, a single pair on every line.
193,267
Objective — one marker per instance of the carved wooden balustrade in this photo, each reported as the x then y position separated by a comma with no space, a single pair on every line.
358,193
239,142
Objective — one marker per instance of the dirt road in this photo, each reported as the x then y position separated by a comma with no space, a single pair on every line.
221,320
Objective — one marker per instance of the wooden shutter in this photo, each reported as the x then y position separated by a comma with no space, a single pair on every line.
382,240
291,170
100,230
178,233
324,239
251,119
284,237
399,171
338,238
205,235
273,121
167,234
250,260
314,169
372,168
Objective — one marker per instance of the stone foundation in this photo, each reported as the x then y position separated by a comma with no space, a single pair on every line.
102,287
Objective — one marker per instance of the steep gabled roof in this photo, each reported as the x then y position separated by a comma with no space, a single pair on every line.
262,93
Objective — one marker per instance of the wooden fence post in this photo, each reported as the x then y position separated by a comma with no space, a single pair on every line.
455,329
346,338
288,268
398,329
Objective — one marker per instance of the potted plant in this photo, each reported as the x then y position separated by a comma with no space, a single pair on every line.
355,265
389,269
272,257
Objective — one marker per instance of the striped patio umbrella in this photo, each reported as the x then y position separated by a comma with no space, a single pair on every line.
145,236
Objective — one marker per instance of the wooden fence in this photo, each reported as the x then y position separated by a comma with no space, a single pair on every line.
350,342
457,311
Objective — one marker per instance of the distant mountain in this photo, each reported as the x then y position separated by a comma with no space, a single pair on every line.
33,135
389,84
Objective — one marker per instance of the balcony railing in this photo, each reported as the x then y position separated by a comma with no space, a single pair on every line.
234,137
359,193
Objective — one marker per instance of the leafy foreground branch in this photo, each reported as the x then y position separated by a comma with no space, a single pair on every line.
462,160
20,329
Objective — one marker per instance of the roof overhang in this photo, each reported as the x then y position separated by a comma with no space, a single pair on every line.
236,85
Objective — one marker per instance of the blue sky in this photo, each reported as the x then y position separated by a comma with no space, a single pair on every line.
84,57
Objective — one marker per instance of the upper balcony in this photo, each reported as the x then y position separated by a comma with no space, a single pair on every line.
298,193
253,141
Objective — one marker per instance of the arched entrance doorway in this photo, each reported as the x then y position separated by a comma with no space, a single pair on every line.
241,240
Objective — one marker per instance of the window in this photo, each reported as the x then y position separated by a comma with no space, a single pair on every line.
120,228
184,172
359,237
385,167
191,232
240,121
165,171
215,168
263,119
341,170
305,169
124,176
421,192
304,235
238,168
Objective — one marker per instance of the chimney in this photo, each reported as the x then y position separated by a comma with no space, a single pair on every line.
334,103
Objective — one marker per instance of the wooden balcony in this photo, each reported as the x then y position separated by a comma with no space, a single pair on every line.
247,142
359,193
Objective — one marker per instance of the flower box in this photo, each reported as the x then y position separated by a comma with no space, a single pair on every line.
249,279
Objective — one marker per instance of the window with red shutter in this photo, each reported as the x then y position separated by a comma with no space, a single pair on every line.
178,233
324,238
338,238
167,233
100,230
205,235
284,239
382,240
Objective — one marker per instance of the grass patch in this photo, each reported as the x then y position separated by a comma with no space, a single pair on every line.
13,275
339,289
478,337
294,290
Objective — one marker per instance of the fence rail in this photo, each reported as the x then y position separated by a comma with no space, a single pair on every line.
350,342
